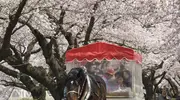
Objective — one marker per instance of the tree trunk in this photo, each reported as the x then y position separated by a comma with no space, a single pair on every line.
148,86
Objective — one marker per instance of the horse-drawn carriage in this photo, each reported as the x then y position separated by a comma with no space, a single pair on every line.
102,71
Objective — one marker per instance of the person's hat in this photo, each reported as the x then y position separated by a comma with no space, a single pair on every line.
110,71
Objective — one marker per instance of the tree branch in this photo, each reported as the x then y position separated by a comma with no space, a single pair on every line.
29,50
159,66
174,87
37,73
46,47
91,24
156,85
61,18
89,29
59,23
8,71
17,54
36,51
2,18
15,84
22,25
177,81
26,80
158,76
5,50
53,18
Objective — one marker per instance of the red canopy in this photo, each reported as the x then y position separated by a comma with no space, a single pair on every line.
100,51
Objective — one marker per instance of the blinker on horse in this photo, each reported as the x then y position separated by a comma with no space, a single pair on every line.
84,86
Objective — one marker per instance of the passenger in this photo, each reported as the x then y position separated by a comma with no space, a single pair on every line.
162,96
122,87
108,75
127,78
127,75
120,79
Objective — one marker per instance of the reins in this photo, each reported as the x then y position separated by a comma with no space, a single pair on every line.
81,89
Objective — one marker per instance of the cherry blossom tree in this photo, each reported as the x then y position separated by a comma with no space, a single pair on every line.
35,34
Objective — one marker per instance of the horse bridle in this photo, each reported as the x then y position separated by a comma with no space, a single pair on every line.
80,90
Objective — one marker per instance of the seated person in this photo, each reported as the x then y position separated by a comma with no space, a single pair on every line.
122,86
120,80
122,89
127,78
107,77
127,75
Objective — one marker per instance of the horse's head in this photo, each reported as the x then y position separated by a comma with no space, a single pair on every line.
76,79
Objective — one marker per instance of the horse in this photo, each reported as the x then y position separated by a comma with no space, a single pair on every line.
81,85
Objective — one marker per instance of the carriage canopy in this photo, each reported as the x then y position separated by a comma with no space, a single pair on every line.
118,66
101,50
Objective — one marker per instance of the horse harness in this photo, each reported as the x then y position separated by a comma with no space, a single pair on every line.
80,90
86,95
